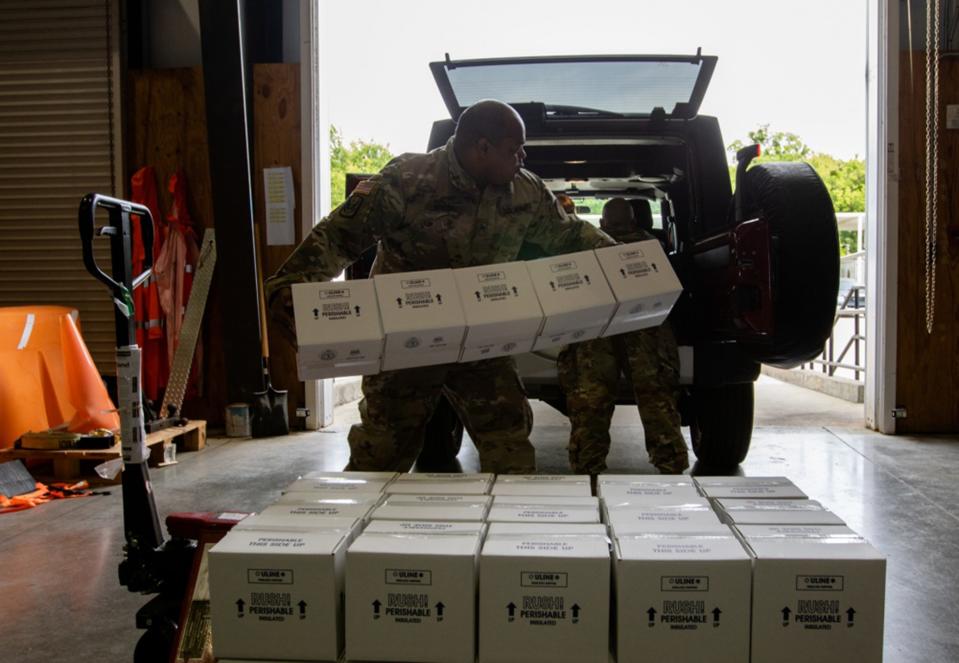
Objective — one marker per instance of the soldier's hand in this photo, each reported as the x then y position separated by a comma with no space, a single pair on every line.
281,311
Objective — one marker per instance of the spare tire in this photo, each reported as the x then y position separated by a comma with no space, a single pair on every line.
792,198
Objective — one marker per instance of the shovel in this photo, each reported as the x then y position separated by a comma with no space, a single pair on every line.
269,409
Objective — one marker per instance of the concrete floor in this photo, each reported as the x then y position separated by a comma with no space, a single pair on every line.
58,582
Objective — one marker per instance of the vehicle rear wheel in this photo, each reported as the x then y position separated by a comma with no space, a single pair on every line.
805,258
722,424
444,436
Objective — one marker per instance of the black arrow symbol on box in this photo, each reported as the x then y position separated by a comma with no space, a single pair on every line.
476,292
515,291
511,609
376,609
655,268
575,610
316,313
439,299
786,612
851,614
623,272
716,613
586,278
652,616
399,302
357,309
239,607
302,605
439,609
552,285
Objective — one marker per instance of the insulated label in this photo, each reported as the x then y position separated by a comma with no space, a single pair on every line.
684,583
684,615
269,576
541,610
336,311
640,268
818,615
269,606
408,577
544,579
819,583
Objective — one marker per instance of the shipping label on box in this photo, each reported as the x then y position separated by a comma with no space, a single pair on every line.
276,595
824,595
438,483
749,488
576,300
465,508
503,315
542,513
644,283
338,329
652,520
542,484
422,318
412,597
682,599
776,512
544,598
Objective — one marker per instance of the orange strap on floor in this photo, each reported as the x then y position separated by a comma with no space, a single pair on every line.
44,494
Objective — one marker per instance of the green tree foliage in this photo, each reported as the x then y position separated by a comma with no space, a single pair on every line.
845,179
359,156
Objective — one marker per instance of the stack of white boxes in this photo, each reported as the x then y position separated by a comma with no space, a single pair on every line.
727,569
276,579
440,316
818,587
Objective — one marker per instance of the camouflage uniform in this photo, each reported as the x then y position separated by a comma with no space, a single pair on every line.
424,211
589,374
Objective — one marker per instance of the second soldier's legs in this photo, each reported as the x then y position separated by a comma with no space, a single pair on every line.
589,375
489,397
653,358
395,409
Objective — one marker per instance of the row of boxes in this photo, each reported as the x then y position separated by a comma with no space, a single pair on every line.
441,316
426,574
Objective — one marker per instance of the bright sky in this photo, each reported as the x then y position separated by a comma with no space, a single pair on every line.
798,66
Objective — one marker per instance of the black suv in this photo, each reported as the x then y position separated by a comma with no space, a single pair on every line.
760,267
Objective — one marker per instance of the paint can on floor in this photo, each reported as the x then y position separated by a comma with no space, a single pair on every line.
238,420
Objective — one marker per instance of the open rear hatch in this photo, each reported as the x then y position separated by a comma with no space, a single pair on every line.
581,86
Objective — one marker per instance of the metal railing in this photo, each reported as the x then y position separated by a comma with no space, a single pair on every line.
851,313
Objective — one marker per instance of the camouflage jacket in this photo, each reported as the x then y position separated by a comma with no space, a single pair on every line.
425,212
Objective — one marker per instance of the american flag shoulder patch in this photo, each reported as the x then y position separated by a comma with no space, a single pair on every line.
364,188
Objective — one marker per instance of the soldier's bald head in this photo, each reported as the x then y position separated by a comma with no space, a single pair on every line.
489,142
489,119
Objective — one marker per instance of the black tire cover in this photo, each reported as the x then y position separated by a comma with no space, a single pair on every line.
805,261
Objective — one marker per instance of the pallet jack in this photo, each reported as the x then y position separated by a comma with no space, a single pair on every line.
152,564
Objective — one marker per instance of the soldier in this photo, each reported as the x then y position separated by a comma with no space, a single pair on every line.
589,374
467,203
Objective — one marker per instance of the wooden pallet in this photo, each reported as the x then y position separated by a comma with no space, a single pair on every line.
70,464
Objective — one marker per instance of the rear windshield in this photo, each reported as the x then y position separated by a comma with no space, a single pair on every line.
579,88
591,209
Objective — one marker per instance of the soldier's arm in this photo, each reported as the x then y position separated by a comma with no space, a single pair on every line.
336,241
556,232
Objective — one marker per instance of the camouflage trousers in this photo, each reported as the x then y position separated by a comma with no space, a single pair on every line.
589,374
487,395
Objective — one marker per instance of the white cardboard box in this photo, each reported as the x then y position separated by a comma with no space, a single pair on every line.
338,329
576,300
647,493
373,477
550,500
656,520
542,513
462,508
817,598
297,520
439,483
422,318
544,597
277,595
775,512
779,488
412,597
795,531
343,484
331,498
571,485
503,315
682,599
644,283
